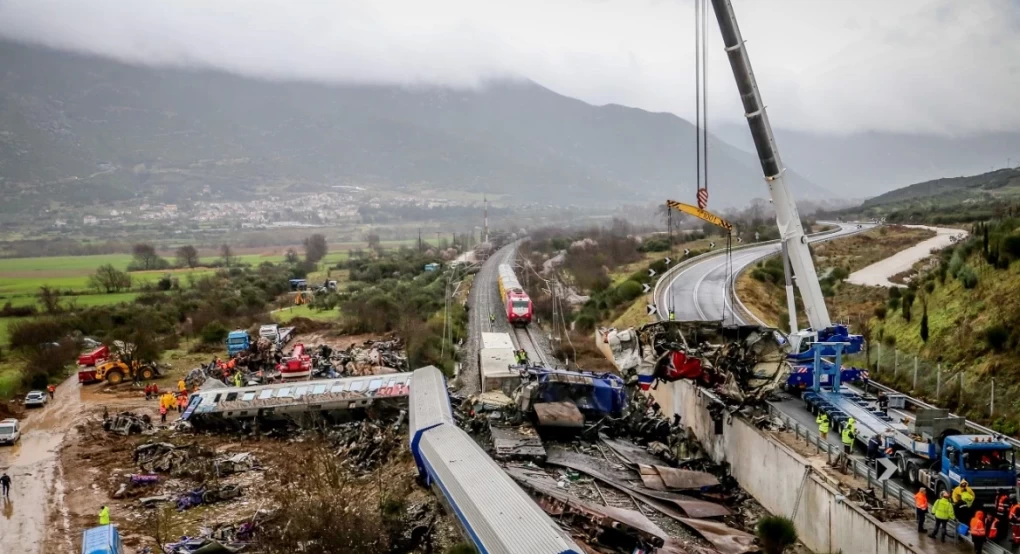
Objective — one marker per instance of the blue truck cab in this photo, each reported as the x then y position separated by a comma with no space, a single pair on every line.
101,540
985,463
238,341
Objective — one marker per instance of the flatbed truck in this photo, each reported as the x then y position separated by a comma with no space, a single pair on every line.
931,449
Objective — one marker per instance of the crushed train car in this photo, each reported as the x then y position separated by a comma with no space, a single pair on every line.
741,362
216,405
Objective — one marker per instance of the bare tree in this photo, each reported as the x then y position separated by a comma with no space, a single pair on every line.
227,254
315,247
50,299
187,256
145,256
291,256
373,240
109,279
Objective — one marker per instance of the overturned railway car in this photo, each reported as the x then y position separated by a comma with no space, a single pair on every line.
496,515
328,400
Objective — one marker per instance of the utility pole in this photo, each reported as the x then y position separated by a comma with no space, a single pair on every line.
485,203
913,387
991,403
938,382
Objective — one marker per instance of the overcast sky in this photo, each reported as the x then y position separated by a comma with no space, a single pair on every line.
931,66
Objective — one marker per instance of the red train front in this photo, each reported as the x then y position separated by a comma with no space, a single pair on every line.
515,301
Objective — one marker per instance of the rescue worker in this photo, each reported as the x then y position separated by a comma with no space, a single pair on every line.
5,484
1014,524
942,509
492,317
238,380
852,424
182,402
823,424
1002,505
848,439
672,315
181,386
963,498
921,508
104,515
873,448
51,389
162,412
148,392
978,531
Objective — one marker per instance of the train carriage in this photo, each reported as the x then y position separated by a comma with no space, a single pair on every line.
516,303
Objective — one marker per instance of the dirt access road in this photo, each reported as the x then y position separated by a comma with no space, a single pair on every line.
36,487
35,517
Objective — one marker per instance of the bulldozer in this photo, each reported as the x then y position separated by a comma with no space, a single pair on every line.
116,371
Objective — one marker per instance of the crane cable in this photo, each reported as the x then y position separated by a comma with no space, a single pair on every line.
701,134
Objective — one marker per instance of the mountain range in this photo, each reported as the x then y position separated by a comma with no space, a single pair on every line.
864,165
80,129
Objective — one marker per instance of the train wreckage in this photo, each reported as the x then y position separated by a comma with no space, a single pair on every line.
743,363
216,404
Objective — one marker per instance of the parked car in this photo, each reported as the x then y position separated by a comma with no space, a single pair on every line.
10,431
36,398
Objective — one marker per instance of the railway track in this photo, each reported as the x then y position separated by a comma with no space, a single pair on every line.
524,339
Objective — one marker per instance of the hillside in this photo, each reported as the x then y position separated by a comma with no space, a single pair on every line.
81,129
872,163
986,186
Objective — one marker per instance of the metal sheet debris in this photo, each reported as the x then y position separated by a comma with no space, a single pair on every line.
618,527
593,467
559,414
672,478
517,442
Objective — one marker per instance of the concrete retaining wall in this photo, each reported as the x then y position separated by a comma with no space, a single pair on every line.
783,481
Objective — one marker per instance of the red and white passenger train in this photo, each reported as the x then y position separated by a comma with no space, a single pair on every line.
515,301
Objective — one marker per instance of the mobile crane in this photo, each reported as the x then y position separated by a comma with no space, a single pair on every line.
791,232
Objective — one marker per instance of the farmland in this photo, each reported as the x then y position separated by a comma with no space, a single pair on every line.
21,278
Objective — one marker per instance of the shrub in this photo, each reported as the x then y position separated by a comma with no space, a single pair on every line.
1011,246
967,277
628,290
759,275
996,336
776,533
929,287
214,332
880,312
894,292
889,340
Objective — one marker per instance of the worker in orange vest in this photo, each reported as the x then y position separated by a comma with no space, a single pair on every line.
182,401
51,389
162,413
978,532
921,507
1014,524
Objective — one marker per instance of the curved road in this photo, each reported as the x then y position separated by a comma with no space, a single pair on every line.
699,291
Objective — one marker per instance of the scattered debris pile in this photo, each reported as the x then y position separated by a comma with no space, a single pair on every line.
365,444
743,363
372,357
128,423
177,461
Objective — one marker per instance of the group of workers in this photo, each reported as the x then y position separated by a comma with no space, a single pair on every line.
846,435
168,400
959,505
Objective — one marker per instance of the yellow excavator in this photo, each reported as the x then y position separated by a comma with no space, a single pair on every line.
116,372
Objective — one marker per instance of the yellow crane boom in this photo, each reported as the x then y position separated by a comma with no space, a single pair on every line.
700,214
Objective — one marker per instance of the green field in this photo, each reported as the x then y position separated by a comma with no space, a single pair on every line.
287,314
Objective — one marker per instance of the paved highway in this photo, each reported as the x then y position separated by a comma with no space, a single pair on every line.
699,291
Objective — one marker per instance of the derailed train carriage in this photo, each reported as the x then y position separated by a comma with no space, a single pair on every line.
302,402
